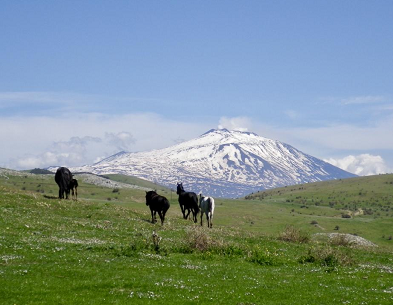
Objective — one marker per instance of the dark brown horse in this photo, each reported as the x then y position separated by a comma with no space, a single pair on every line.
157,203
63,178
188,201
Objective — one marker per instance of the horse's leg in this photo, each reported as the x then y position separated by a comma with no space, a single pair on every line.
182,208
152,215
161,217
76,193
201,218
184,211
187,213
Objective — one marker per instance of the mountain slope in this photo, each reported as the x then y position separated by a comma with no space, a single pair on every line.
222,163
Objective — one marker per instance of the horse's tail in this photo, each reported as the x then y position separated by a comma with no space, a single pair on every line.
196,205
166,204
211,205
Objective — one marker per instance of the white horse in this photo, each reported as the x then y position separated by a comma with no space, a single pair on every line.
206,204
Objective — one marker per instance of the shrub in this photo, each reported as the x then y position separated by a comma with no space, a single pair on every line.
230,250
340,240
326,256
138,244
314,222
196,239
262,257
293,234
156,241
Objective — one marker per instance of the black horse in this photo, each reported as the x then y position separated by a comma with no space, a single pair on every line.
63,178
188,201
157,203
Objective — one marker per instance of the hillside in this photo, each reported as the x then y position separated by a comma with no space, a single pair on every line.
371,195
101,247
221,163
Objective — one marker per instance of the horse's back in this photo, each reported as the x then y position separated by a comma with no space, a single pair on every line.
165,203
188,197
207,204
157,202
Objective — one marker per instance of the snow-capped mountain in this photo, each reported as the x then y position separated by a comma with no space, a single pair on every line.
222,163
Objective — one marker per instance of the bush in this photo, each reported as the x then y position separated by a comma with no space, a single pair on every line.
326,256
340,240
262,257
293,234
196,239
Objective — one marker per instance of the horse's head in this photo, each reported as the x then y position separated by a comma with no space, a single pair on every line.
180,188
149,195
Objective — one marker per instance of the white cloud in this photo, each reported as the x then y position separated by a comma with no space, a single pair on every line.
362,165
235,123
78,139
121,140
370,99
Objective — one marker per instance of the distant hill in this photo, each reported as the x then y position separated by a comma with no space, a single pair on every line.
222,163
40,171
371,195
135,181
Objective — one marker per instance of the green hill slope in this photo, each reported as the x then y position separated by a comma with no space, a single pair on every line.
101,249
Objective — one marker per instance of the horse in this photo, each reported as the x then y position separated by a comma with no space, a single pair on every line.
63,179
157,203
206,205
74,188
188,201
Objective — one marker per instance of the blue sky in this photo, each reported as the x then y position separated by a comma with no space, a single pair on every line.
81,80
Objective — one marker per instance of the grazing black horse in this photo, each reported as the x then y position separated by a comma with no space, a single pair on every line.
63,179
188,201
157,203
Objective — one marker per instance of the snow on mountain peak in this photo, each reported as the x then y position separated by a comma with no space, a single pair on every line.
222,162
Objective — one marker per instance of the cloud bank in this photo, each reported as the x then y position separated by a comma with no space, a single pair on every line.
78,139
75,139
362,165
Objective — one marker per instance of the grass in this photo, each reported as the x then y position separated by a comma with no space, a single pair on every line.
95,251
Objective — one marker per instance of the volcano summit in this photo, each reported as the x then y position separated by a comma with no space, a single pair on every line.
222,163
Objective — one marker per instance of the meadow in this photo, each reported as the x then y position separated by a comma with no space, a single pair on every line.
103,249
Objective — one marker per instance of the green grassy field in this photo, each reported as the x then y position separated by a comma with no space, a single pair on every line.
101,249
